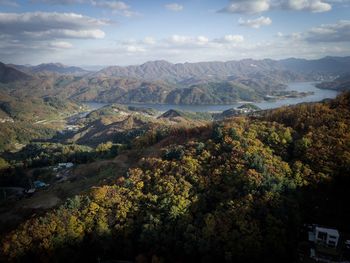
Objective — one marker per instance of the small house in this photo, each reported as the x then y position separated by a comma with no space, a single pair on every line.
327,236
61,166
324,236
325,244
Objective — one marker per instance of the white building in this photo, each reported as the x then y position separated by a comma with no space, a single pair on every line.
324,236
65,165
327,236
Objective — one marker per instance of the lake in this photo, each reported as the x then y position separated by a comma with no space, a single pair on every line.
319,94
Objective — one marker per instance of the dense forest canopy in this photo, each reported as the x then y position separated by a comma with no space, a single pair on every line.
232,191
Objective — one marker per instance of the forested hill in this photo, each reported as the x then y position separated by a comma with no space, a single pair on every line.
161,82
232,191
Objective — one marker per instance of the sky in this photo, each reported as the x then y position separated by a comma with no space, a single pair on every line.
111,32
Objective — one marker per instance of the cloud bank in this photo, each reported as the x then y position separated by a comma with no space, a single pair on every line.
50,25
174,7
255,23
260,6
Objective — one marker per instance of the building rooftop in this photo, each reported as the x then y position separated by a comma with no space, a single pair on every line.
330,231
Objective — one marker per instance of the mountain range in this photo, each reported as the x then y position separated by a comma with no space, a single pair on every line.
50,68
288,69
341,83
9,74
167,83
161,69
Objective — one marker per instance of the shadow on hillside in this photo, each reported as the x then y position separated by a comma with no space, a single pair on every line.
326,204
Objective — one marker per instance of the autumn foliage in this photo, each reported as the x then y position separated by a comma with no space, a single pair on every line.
231,192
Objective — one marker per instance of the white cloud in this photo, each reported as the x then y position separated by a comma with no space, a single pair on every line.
175,44
60,2
177,48
259,6
60,45
117,7
295,36
230,39
188,40
135,49
59,25
41,21
181,48
65,33
255,23
114,5
247,6
337,32
149,41
176,39
41,33
202,40
11,3
315,6
174,7
128,13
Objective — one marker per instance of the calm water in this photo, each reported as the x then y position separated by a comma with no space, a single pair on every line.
319,94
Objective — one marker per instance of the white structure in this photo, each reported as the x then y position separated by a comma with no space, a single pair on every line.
324,236
65,165
327,236
72,128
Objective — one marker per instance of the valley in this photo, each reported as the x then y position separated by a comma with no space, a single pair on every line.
174,131
182,165
70,137
161,82
36,101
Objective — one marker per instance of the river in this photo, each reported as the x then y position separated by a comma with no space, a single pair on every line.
319,94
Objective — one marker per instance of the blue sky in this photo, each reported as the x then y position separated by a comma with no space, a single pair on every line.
111,32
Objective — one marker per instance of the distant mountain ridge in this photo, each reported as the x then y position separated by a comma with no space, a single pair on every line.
57,68
9,74
162,82
155,70
336,65
285,70
292,67
342,83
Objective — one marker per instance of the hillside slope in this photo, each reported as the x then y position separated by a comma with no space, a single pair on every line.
234,191
341,83
9,74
